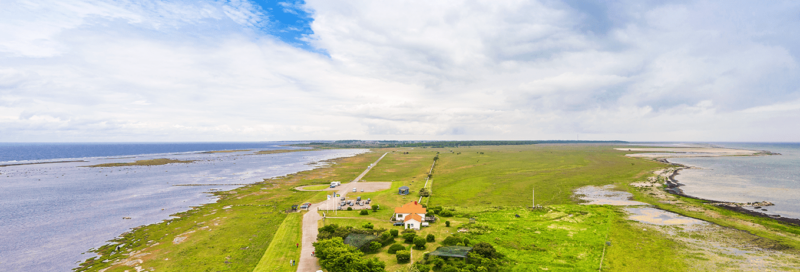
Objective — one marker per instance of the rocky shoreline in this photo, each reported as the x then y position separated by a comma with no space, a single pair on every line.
673,187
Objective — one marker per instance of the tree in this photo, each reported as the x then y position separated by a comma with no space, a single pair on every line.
447,224
466,241
485,249
374,208
374,247
395,247
368,225
419,242
423,192
431,238
349,208
409,237
387,238
403,256
364,212
451,241
394,232
334,255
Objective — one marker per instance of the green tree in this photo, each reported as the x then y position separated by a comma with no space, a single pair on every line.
447,224
431,238
466,241
364,212
394,232
419,242
374,208
395,247
403,256
409,237
368,225
374,247
485,249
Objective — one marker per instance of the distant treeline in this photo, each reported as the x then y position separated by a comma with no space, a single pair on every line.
442,144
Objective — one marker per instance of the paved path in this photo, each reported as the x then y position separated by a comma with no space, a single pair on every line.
307,262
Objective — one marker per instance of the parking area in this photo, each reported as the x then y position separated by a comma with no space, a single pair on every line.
346,188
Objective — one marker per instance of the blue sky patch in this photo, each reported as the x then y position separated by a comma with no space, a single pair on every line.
288,21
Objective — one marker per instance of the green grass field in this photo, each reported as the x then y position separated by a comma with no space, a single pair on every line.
283,248
506,175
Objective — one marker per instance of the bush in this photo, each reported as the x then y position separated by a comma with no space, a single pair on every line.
349,208
486,250
368,225
431,238
374,247
449,268
364,212
447,224
395,247
419,242
422,267
394,233
409,237
446,213
466,241
451,241
374,208
403,256
386,238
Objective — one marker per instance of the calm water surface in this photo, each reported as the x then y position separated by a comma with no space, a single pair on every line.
747,179
52,213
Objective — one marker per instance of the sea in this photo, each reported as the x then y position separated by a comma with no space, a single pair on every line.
773,178
53,210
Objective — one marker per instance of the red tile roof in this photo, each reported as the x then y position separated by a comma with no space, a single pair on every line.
413,216
410,207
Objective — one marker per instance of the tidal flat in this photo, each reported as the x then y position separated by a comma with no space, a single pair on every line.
51,214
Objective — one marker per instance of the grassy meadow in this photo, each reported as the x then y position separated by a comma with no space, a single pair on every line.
248,229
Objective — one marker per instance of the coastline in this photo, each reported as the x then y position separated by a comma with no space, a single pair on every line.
673,187
183,230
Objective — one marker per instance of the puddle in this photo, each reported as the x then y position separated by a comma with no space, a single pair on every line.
660,217
604,195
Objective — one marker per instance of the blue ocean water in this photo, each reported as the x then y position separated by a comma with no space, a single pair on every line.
748,178
49,151
52,213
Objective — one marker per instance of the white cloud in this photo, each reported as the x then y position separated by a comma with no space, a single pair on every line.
202,70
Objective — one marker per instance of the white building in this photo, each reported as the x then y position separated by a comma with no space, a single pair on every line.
412,215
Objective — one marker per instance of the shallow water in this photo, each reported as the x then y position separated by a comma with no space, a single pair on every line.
660,217
747,179
51,213
605,195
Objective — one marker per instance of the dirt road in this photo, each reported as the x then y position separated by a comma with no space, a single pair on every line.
309,263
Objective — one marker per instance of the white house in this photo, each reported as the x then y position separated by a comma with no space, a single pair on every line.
412,214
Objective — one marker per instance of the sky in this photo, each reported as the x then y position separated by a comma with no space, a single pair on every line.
239,70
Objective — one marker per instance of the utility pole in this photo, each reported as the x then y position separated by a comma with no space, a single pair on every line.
533,198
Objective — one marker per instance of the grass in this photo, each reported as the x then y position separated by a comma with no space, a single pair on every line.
233,233
141,163
283,248
506,175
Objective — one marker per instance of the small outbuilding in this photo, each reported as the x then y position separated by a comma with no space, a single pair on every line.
404,190
447,252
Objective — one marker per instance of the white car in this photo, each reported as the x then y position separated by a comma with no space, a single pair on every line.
354,190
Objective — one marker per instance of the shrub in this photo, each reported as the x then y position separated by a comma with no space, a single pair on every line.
409,237
374,247
422,267
447,224
446,213
466,241
394,232
403,256
368,225
449,268
431,238
451,241
349,208
486,250
386,238
363,212
374,208
395,247
419,242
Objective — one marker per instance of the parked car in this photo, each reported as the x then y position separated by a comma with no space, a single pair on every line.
398,223
343,199
354,190
358,198
350,203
